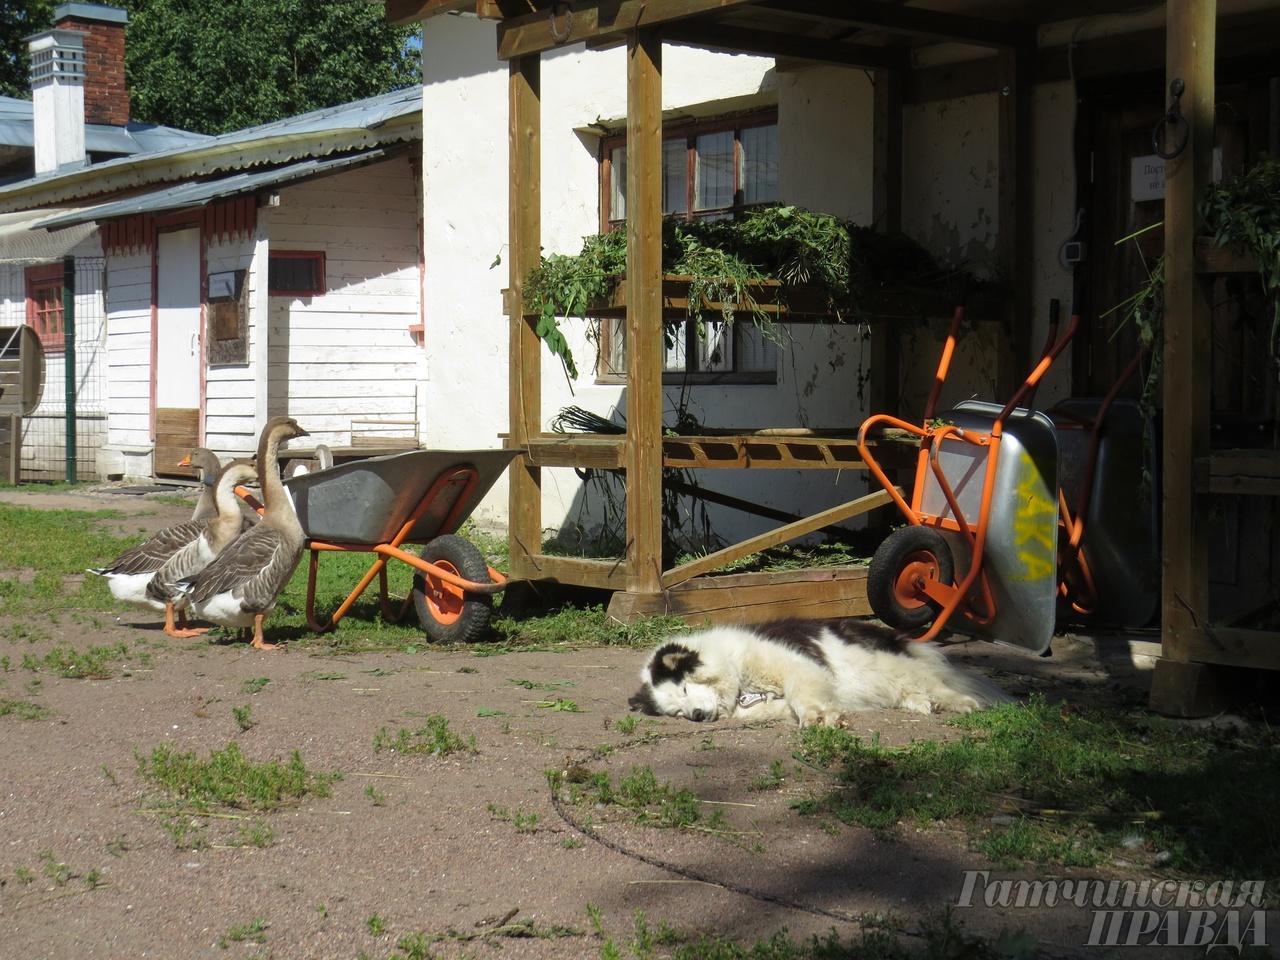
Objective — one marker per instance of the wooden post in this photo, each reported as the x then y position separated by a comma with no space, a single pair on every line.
1188,353
642,457
886,214
524,250
1014,185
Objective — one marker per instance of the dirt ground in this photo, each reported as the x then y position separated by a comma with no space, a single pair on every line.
442,848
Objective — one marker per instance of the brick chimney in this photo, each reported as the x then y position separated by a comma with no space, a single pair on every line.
106,98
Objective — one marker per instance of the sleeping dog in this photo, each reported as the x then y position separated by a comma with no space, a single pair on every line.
812,671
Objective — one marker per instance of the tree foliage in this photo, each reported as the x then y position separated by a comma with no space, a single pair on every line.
214,67
18,20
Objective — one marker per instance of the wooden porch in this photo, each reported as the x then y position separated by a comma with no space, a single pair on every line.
881,37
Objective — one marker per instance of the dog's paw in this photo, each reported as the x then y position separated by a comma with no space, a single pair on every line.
815,717
917,703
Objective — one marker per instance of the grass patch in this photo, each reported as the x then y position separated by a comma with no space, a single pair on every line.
255,685
57,545
255,931
228,779
522,821
243,716
558,705
771,780
1074,785
92,664
22,709
434,738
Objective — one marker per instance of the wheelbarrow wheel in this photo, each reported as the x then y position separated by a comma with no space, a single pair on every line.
907,557
446,612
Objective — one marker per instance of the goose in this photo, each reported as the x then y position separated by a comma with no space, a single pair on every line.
127,574
240,587
207,466
217,533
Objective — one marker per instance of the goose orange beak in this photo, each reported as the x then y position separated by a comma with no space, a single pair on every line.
185,461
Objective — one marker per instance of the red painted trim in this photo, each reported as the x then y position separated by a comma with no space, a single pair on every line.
315,255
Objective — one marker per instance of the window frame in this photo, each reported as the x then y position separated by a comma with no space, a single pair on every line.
689,131
43,277
316,256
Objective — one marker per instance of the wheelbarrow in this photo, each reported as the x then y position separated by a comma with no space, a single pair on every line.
382,505
994,544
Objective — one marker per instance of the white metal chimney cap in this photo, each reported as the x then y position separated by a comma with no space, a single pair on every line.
90,11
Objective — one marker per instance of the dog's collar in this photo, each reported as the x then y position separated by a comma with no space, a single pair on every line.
749,698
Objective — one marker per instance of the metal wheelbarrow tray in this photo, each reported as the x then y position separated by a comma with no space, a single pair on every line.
380,505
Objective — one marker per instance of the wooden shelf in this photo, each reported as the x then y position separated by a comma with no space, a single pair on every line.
799,303
758,451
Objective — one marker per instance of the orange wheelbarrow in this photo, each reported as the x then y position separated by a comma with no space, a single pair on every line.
383,505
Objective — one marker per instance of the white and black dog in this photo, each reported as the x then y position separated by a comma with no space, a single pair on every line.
812,671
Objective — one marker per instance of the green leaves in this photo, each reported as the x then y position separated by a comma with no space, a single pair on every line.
219,67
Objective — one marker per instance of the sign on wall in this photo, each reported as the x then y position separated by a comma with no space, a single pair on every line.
1146,176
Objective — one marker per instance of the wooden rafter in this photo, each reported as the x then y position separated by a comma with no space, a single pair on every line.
911,21
574,23
716,37
409,11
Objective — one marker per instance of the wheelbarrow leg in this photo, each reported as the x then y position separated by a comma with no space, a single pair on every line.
389,611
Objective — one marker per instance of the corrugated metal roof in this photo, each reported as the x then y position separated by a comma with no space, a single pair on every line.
200,193
319,133
16,131
18,242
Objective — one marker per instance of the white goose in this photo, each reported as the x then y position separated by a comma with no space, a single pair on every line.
219,532
240,587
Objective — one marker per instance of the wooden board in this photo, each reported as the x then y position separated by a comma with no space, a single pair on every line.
177,433
814,594
10,447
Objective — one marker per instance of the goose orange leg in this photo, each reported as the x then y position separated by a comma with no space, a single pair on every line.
258,640
181,630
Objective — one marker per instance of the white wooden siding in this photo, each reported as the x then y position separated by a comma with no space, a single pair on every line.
348,354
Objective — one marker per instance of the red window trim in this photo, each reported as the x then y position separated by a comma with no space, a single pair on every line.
43,276
316,255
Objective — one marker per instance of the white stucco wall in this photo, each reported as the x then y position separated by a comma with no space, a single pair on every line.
824,163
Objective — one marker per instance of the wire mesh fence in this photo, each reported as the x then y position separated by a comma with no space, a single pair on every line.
74,366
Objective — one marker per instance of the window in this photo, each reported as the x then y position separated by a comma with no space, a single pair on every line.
296,273
44,304
710,169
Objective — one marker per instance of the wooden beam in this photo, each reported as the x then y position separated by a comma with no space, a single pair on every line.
813,594
580,571
575,22
411,11
790,531
525,250
891,18
713,36
642,455
1246,35
1188,347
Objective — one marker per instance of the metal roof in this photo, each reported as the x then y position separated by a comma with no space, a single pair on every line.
16,131
200,193
19,242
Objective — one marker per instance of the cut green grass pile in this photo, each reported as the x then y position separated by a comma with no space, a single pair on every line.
56,545
94,663
21,709
575,628
648,800
228,779
1072,785
433,738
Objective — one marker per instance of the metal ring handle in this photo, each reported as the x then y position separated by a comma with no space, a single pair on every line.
1173,117
557,35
